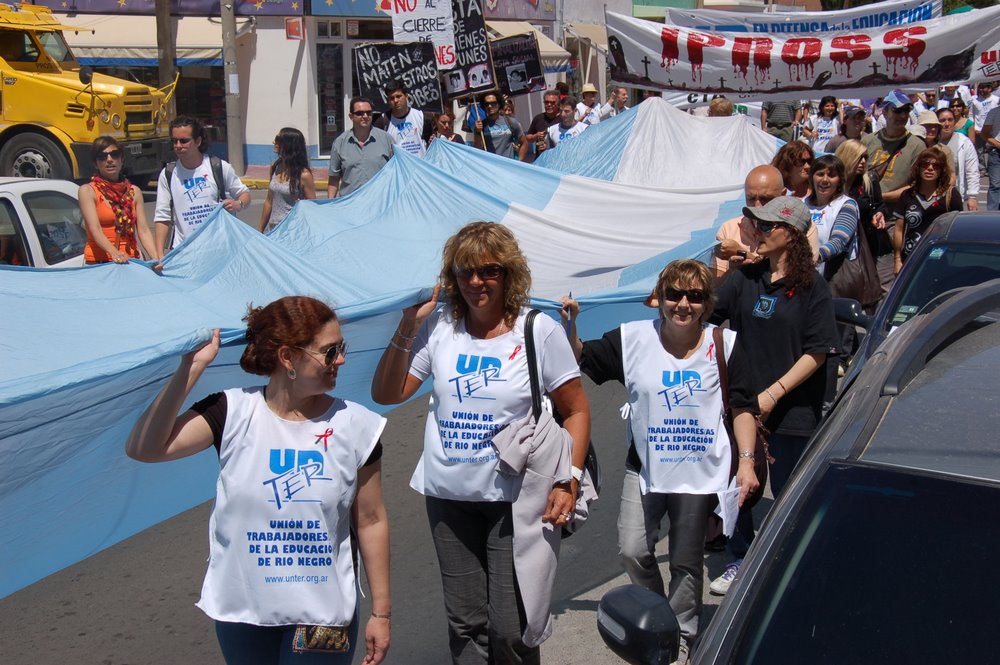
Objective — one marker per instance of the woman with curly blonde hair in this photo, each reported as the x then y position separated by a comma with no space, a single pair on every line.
473,350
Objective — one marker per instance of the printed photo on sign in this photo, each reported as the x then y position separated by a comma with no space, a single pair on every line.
517,64
454,81
472,50
517,78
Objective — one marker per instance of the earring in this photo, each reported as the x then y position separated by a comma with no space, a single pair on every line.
291,374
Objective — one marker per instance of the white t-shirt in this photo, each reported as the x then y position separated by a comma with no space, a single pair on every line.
279,536
195,195
980,108
479,385
407,132
676,416
557,133
826,129
588,115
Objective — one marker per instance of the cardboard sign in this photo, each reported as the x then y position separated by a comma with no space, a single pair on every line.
414,64
877,15
473,71
426,21
644,54
518,64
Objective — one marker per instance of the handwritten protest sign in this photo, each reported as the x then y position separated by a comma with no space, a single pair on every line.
413,64
426,21
517,64
473,71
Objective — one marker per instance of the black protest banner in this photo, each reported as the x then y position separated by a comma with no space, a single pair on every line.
413,64
517,64
473,72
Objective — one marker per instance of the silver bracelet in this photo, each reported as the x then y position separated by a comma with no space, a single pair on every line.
747,455
397,346
404,337
768,391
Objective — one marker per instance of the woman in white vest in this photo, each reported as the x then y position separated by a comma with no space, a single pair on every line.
679,455
298,469
473,351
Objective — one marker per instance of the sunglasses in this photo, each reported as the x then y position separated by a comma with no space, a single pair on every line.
330,355
694,296
901,109
110,154
489,271
368,112
765,227
184,141
802,161
491,103
931,165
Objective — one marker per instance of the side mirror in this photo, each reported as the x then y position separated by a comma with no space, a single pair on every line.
86,75
846,310
639,626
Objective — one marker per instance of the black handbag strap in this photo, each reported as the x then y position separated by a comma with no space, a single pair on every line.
529,349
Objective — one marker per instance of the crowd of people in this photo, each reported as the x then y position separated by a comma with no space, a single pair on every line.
494,510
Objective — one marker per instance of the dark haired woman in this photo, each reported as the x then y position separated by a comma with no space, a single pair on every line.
782,313
834,214
825,125
963,123
496,594
793,160
444,128
683,486
298,470
928,196
112,210
291,178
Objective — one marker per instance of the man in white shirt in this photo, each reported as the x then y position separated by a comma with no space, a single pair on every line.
966,160
189,189
409,128
616,103
568,126
980,106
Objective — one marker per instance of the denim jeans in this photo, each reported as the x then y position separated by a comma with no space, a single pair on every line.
246,644
993,171
639,531
474,543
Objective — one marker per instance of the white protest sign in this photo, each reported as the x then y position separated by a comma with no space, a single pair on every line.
866,17
426,21
651,55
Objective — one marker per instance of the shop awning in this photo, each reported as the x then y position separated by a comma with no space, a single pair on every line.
130,41
554,57
595,35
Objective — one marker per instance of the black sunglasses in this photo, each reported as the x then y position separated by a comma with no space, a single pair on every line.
694,296
112,154
361,112
489,271
183,141
766,227
330,355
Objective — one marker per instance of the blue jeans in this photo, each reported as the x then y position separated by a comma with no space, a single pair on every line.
475,549
638,532
993,171
245,644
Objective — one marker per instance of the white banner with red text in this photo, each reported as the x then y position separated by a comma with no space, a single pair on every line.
419,21
866,17
656,56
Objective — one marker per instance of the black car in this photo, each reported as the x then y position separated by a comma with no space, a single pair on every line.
880,548
960,249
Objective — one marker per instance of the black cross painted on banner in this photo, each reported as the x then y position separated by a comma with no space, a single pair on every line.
646,62
875,68
722,83
776,83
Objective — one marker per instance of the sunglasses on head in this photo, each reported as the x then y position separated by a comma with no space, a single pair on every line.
694,296
111,154
330,355
489,271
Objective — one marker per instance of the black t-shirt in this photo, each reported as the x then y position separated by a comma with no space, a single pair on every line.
775,327
213,410
540,123
918,214
601,360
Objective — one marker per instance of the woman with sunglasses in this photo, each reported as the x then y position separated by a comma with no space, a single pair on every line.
679,454
963,123
473,351
794,160
928,196
291,179
112,210
298,470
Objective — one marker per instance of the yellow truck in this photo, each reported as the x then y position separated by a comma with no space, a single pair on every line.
51,108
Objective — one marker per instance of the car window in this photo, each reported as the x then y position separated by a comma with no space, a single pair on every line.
874,569
17,46
942,268
11,237
58,223
55,45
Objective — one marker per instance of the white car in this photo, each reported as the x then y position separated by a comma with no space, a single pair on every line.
40,223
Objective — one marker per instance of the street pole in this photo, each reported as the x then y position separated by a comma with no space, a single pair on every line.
234,120
166,51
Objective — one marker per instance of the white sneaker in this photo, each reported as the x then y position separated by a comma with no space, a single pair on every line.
720,585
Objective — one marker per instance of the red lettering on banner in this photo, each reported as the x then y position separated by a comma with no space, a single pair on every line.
403,6
988,56
855,47
908,55
761,47
801,55
446,54
671,51
696,43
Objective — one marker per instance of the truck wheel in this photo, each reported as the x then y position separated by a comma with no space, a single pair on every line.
34,156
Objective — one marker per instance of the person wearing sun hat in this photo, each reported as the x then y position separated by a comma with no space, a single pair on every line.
932,135
589,110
